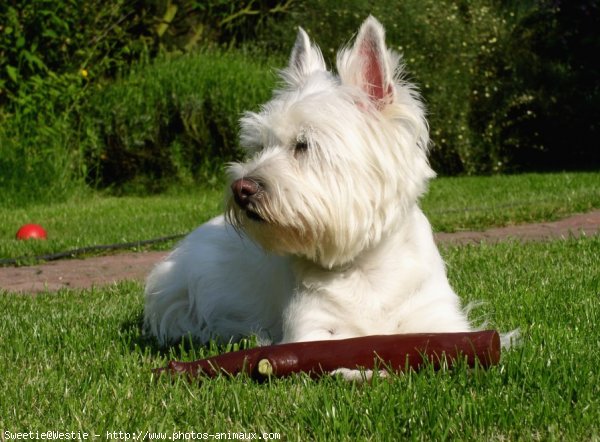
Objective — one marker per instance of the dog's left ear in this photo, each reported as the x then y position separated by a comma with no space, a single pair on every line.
304,60
368,64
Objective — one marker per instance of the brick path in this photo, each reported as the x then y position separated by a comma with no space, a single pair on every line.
103,270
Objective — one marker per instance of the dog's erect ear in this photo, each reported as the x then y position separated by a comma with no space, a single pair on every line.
301,52
368,64
304,60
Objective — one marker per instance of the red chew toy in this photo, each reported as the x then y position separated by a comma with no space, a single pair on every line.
31,231
388,352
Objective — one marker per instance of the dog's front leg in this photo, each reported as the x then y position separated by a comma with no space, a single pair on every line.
309,317
314,316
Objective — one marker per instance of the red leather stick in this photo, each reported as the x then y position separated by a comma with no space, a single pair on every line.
387,352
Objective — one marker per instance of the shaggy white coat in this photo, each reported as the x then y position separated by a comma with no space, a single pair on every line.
334,244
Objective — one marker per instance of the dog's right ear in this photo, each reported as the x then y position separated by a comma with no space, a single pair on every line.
369,65
304,60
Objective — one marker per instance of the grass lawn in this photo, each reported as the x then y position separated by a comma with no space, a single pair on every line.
475,203
451,204
76,361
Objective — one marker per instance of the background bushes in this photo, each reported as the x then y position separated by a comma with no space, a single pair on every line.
136,96
546,113
174,120
41,40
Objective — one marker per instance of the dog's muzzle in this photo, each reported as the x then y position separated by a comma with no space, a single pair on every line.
245,191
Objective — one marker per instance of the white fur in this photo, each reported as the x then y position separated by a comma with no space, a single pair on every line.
343,249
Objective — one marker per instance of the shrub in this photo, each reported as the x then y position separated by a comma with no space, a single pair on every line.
172,120
42,38
49,52
542,103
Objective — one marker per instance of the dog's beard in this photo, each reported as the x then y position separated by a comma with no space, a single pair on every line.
282,235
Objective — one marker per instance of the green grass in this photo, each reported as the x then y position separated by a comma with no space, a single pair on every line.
451,204
476,203
76,360
94,220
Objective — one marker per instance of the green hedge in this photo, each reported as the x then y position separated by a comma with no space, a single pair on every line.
174,120
40,39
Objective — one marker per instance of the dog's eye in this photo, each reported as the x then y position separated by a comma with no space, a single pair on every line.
301,146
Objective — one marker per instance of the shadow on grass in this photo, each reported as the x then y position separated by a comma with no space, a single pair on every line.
184,349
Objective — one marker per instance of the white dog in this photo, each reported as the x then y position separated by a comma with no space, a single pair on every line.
323,237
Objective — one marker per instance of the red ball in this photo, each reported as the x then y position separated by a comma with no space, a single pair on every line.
31,231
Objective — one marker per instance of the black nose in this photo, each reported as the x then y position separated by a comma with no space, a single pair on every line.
243,189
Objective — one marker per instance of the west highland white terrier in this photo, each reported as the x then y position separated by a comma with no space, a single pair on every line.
323,237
